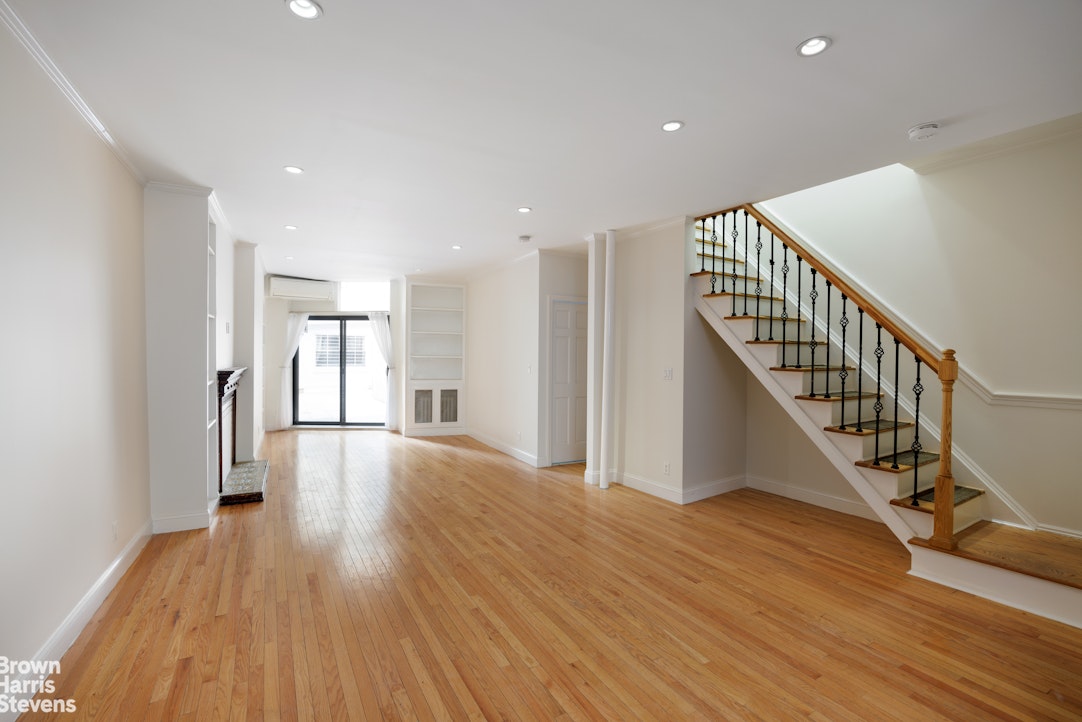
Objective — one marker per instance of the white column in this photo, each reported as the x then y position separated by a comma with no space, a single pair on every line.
595,329
608,363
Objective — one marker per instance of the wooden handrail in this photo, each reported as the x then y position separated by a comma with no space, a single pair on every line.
931,360
946,369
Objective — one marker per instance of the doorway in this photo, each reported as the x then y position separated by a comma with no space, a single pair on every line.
339,375
568,381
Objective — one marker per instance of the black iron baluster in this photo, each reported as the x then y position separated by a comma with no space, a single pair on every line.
799,275
918,389
860,368
812,344
826,363
879,353
785,302
897,395
714,250
735,234
746,264
771,324
758,276
702,256
842,374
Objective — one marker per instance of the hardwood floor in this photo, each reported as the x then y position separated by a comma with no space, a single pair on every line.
392,578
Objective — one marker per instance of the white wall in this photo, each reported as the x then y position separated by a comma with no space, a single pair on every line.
73,435
782,460
997,243
247,335
649,338
715,403
175,238
502,316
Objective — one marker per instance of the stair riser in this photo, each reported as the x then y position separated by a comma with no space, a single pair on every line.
830,413
923,523
801,383
891,485
767,307
863,447
802,354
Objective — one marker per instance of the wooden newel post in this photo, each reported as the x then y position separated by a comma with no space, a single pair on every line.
943,527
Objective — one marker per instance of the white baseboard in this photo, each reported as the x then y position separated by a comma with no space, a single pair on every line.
166,524
72,626
511,451
815,498
714,488
1060,530
592,477
652,488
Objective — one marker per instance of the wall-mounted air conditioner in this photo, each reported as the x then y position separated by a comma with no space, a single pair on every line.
300,289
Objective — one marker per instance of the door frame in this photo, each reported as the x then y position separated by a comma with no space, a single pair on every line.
341,318
544,406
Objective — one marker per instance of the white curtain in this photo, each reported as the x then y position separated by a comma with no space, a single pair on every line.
294,330
381,327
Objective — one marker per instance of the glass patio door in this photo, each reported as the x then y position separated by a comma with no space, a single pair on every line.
339,376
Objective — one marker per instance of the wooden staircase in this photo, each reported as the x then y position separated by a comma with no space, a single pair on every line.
957,546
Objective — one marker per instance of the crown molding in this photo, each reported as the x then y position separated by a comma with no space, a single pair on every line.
180,188
999,145
22,33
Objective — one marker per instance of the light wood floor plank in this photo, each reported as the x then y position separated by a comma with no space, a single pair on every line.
436,579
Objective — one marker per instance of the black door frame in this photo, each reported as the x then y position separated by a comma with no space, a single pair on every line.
341,318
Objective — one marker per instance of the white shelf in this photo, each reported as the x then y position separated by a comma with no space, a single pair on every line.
436,355
438,297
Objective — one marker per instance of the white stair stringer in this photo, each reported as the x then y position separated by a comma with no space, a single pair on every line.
811,427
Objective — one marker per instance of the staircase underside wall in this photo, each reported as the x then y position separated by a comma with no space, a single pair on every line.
782,460
878,505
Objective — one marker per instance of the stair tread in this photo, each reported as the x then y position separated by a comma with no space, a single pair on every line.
787,342
807,368
838,396
727,259
752,317
926,498
868,427
1042,554
742,295
719,274
905,458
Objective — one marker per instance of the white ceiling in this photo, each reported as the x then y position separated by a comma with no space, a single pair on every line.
423,123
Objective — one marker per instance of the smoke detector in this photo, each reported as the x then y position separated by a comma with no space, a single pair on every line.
924,131
524,239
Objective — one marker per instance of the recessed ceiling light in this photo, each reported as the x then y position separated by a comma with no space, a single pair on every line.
456,247
307,9
672,125
293,169
813,46
524,209
291,228
289,258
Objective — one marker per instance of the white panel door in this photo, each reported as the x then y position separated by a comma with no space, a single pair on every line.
568,407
